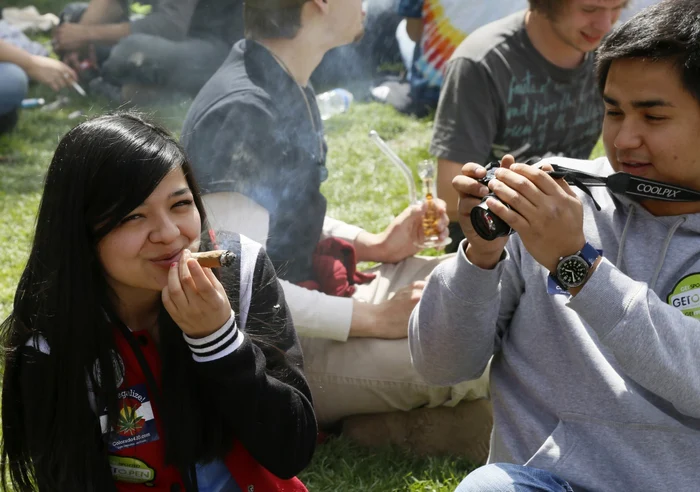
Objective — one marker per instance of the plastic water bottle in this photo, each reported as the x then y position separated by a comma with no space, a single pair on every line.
33,102
334,102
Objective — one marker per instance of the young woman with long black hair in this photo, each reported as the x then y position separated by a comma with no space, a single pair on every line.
128,366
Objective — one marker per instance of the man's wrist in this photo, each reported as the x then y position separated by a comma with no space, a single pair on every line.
96,33
551,265
364,319
105,33
89,33
369,247
29,64
575,290
484,260
572,271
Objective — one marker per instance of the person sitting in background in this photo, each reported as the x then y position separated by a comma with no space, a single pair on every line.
436,27
257,145
591,313
16,68
127,365
522,85
177,47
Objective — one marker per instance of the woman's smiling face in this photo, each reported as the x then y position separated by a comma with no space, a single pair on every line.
137,254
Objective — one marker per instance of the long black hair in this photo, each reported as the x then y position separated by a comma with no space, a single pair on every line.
101,170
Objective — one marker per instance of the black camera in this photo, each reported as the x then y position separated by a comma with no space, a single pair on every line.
486,224
490,226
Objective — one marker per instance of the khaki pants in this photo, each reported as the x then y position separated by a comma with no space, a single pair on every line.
370,375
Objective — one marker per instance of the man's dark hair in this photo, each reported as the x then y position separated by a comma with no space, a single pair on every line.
667,31
266,23
549,8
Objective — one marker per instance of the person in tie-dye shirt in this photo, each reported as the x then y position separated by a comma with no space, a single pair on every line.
437,27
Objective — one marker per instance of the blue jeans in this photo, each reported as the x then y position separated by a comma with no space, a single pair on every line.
504,477
13,87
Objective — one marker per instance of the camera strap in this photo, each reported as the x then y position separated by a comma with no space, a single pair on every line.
626,184
647,188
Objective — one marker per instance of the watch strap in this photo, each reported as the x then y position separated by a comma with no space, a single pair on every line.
554,286
589,254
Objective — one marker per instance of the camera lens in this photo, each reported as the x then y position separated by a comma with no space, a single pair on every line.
488,225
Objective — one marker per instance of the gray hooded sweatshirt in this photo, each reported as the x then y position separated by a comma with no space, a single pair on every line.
602,389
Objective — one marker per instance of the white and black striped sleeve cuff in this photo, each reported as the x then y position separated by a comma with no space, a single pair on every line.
219,344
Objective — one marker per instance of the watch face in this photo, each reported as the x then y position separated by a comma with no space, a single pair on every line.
572,271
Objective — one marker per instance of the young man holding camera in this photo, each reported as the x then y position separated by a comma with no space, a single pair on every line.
599,388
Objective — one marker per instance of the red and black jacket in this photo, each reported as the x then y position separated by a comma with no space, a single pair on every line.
272,416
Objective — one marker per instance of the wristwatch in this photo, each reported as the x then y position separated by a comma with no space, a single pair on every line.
572,270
